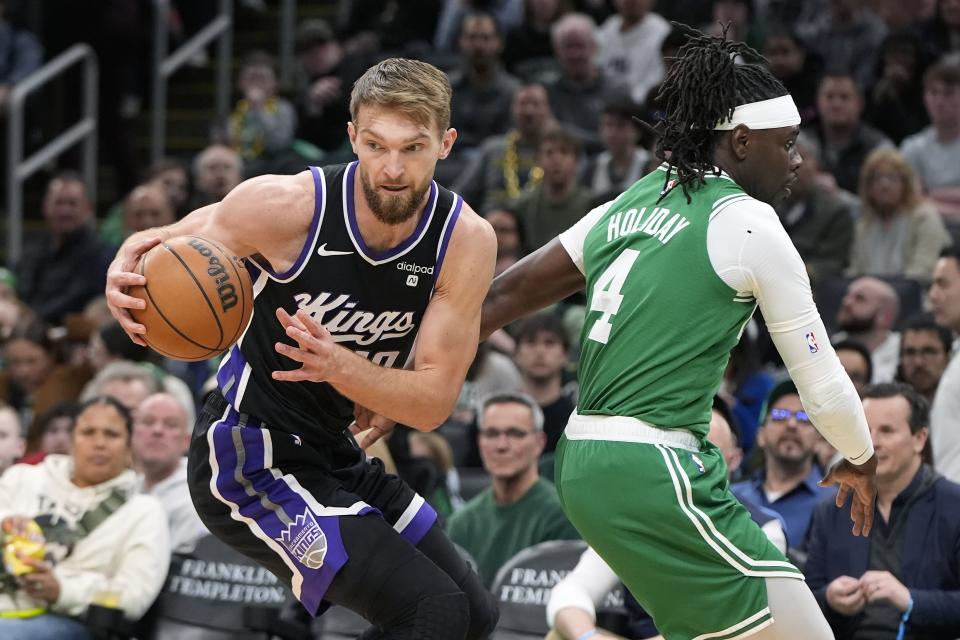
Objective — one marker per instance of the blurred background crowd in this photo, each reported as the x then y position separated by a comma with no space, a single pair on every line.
545,95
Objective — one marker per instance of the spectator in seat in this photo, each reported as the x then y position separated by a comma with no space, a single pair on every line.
325,73
127,382
579,89
847,35
796,68
925,349
904,579
819,220
67,267
34,378
520,509
217,170
895,101
898,234
934,152
629,50
12,444
504,166
542,355
623,160
867,314
558,201
262,124
102,537
856,361
843,140
944,299
51,432
527,46
161,436
787,484
482,90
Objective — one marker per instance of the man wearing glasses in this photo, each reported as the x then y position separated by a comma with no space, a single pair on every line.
787,483
520,508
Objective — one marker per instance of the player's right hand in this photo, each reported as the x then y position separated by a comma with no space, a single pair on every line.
121,276
861,481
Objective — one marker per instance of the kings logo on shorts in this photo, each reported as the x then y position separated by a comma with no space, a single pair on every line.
305,540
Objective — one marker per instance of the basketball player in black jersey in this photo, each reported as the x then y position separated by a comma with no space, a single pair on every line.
356,269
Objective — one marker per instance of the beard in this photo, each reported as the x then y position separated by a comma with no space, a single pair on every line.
851,324
393,209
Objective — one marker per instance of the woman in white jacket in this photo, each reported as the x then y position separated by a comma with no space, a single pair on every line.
105,541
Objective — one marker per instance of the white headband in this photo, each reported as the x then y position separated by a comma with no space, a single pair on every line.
766,114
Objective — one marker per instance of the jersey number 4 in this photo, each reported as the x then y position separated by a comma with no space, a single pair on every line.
606,297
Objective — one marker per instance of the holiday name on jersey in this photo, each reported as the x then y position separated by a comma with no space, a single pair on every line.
655,224
339,315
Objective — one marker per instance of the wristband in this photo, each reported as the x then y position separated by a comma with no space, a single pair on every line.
586,635
903,620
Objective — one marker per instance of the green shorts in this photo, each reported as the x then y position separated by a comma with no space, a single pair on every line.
664,519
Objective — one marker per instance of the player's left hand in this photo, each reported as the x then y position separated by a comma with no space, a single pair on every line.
41,583
315,349
883,586
861,480
370,426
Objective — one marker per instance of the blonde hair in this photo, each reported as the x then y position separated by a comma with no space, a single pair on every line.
889,156
416,89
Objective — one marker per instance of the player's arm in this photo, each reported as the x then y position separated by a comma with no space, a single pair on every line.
548,275
265,216
446,343
752,253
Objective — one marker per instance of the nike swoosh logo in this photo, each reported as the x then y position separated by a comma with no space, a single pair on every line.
323,251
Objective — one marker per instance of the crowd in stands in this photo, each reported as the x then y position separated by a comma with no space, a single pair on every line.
555,102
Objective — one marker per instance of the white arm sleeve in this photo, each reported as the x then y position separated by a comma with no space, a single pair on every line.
583,588
752,253
572,239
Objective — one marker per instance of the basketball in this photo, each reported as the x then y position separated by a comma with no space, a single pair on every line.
199,298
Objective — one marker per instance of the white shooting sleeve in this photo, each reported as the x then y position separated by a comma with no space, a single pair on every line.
752,253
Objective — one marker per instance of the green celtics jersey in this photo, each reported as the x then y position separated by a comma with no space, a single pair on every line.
660,322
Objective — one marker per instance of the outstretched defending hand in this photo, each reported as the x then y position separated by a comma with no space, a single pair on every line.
120,276
372,426
862,481
315,349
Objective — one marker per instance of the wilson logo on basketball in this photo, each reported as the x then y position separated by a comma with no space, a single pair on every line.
225,289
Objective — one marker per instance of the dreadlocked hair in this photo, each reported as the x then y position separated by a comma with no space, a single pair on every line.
703,88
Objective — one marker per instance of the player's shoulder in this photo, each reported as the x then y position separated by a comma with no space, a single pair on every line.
736,205
473,232
279,188
275,197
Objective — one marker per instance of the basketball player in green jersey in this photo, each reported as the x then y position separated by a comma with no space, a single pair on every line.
673,269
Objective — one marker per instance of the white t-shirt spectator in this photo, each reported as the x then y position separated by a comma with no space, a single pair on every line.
632,58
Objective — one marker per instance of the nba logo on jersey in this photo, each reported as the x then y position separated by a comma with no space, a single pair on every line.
812,343
412,280
305,540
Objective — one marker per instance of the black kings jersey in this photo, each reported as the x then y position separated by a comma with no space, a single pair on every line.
371,302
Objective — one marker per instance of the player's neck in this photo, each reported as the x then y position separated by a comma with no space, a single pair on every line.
507,491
